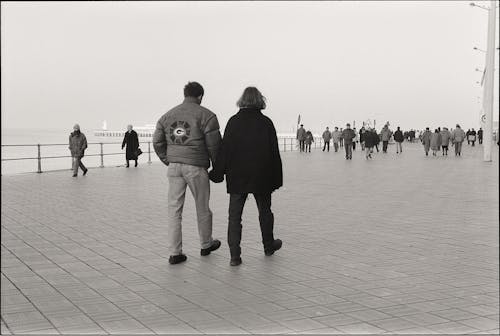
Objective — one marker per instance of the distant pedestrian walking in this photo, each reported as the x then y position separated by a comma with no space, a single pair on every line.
480,135
77,146
252,165
457,138
327,136
399,138
355,140
386,136
341,138
336,137
186,139
308,141
370,139
445,140
132,142
362,137
435,142
472,137
301,137
348,135
426,140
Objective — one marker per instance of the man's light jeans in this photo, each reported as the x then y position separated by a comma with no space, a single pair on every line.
180,176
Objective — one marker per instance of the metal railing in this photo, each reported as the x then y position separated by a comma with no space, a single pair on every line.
285,144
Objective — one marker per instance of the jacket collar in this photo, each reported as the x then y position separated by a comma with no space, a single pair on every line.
191,100
249,110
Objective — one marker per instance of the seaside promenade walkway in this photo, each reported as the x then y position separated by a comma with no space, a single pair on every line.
401,244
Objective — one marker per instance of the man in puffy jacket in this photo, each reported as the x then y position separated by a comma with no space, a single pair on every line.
77,146
348,135
457,138
426,140
186,139
327,136
399,138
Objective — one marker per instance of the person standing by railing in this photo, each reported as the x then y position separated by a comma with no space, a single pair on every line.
77,146
131,140
327,136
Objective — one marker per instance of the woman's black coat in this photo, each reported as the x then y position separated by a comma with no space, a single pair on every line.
132,142
249,155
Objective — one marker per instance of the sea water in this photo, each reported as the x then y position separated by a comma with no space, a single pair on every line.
54,144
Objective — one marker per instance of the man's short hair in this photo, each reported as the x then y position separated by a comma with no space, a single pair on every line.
193,89
348,124
301,125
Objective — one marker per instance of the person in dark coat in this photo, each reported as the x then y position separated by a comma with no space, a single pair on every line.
77,147
399,138
309,140
252,165
370,137
132,142
480,135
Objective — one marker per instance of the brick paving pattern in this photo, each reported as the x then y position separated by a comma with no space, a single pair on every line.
400,244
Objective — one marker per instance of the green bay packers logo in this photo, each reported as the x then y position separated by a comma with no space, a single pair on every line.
179,132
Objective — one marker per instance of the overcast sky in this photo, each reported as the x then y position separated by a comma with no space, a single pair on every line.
410,63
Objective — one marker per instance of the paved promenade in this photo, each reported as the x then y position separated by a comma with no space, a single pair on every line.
400,244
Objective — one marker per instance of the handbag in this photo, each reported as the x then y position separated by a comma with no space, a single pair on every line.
138,152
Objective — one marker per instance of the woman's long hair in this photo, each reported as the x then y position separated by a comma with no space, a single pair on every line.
252,98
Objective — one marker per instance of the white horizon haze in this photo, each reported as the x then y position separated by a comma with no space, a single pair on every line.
411,63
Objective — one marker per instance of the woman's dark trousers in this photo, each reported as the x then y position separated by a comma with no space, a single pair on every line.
384,146
266,219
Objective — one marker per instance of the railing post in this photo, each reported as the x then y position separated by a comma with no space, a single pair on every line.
284,145
102,155
149,152
39,160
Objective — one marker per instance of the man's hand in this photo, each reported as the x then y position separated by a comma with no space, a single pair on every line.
214,178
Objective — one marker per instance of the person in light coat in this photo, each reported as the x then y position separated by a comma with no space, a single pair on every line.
445,140
435,142
426,140
336,136
457,138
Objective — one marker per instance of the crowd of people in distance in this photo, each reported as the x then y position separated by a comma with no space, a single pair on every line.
368,138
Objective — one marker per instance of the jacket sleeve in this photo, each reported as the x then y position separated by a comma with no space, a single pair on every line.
69,143
219,167
160,143
277,168
84,145
212,137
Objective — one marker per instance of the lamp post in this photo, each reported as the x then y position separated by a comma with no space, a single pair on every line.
488,87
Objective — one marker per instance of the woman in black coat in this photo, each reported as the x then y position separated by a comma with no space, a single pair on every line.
249,157
131,140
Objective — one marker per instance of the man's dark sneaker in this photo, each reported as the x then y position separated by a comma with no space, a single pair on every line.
235,261
85,172
74,175
275,247
176,259
215,246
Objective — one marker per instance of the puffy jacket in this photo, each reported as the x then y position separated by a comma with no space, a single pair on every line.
386,134
371,139
301,134
398,136
445,137
188,133
327,136
458,135
348,134
77,143
436,141
426,138
336,136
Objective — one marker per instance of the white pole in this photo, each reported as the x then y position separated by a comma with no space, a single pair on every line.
489,84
